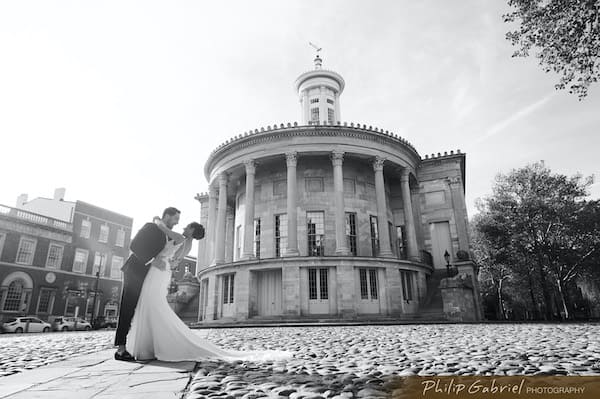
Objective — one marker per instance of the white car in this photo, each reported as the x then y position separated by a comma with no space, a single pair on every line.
70,324
25,324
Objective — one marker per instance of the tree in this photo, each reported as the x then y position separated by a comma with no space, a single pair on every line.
541,231
566,34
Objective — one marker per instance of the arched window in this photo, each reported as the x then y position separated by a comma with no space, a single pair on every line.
14,296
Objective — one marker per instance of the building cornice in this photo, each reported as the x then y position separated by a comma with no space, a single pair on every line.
274,133
317,73
309,261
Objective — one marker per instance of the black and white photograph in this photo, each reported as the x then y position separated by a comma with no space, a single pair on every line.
300,199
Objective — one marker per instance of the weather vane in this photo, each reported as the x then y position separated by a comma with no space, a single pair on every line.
316,47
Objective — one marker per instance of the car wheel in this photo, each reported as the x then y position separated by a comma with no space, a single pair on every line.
87,328
46,329
64,329
19,330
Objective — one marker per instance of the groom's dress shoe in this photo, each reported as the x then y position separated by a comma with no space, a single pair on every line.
125,356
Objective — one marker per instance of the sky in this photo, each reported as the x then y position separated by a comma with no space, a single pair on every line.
121,102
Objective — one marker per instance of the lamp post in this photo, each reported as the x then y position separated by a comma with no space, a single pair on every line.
447,258
102,257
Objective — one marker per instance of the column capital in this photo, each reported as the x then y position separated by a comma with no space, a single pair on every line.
250,166
337,157
404,173
291,158
378,164
212,191
223,178
456,180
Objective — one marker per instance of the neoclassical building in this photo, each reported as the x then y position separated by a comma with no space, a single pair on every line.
330,219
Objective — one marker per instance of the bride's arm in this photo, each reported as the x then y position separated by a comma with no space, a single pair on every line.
187,246
176,237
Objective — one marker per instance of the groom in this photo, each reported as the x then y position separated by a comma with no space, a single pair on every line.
146,244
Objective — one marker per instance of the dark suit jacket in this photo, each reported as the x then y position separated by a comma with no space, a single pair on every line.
146,244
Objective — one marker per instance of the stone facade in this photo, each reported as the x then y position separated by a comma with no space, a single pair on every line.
327,219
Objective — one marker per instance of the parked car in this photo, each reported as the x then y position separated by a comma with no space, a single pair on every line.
70,324
25,324
104,322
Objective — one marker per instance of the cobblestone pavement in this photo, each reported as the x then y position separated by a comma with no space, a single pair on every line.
346,362
19,352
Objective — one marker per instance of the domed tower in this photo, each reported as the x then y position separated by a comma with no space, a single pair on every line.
319,91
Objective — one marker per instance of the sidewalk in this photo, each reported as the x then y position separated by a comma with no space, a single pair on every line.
98,375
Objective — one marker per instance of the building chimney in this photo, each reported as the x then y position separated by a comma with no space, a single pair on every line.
59,194
21,200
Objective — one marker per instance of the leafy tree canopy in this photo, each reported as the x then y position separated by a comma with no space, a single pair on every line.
566,34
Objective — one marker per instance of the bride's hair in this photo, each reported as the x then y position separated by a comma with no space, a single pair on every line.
198,233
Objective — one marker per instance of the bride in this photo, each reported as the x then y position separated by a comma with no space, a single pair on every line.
156,330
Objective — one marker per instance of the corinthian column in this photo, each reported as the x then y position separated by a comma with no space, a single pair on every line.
211,228
341,247
382,220
292,217
221,220
249,211
412,251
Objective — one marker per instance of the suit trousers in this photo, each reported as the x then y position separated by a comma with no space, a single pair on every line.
133,279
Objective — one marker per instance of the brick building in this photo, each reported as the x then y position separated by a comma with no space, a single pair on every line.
56,254
333,219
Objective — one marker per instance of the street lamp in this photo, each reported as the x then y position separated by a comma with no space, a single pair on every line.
102,257
447,257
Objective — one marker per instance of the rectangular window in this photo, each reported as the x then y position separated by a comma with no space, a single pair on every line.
120,240
330,101
86,228
80,261
99,263
280,234
318,283
46,301
401,242
314,100
368,283
330,116
351,232
238,242
316,233
115,267
373,283
26,251
364,293
70,306
323,283
257,237
104,230
407,284
391,232
314,184
349,186
2,239
55,254
314,115
228,288
312,283
374,236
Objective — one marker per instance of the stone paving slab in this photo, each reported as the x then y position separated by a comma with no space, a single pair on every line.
98,375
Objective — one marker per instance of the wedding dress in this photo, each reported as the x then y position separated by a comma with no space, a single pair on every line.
157,332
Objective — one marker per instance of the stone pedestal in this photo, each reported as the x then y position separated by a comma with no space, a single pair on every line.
467,267
459,299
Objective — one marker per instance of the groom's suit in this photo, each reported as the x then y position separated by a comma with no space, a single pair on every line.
146,244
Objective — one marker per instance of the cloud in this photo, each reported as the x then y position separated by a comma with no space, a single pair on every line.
501,125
